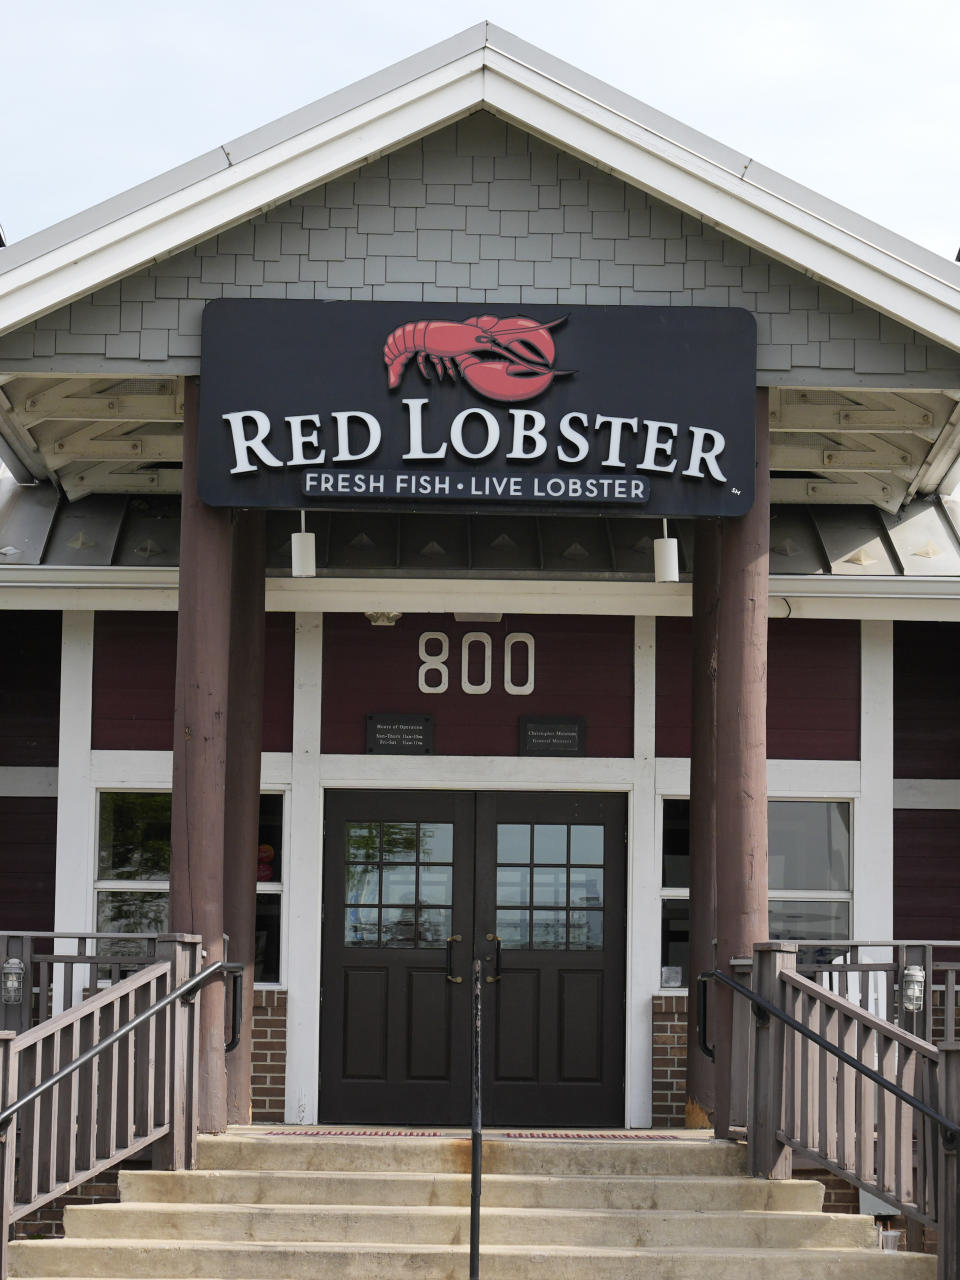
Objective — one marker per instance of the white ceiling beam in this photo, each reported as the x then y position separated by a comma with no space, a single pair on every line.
126,408
153,448
100,478
886,492
876,456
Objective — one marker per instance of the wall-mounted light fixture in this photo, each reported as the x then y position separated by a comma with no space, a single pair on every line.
666,560
911,988
303,551
383,618
11,981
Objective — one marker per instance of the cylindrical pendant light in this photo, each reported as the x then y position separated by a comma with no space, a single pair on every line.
666,559
303,551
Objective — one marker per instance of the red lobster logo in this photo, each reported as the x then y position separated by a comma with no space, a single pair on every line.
503,359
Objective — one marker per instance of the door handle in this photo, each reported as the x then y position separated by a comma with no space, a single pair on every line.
456,937
494,937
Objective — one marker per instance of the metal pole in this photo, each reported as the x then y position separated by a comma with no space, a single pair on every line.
476,1137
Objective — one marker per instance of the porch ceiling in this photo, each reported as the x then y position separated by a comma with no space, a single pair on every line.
100,435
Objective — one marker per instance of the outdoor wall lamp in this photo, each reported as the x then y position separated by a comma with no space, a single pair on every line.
911,988
11,980
666,562
383,617
303,551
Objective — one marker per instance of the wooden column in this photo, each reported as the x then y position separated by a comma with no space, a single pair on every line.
742,746
245,723
703,808
200,752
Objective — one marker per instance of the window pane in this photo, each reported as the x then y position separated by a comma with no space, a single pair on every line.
399,884
360,926
513,842
550,886
675,938
585,931
398,927
513,886
513,928
266,955
586,887
362,884
797,919
436,842
363,841
436,886
549,843
270,849
676,844
434,928
399,842
549,930
586,845
134,835
809,845
131,912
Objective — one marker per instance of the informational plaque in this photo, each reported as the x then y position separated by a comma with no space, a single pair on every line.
553,736
392,734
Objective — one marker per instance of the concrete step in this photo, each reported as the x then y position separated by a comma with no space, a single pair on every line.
452,1155
371,1224
519,1190
137,1259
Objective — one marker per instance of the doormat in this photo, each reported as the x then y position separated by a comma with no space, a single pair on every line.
565,1136
354,1133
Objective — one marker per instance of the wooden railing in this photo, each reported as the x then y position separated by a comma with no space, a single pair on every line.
851,1092
59,969
101,1081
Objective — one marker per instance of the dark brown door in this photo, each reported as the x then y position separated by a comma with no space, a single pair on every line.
418,883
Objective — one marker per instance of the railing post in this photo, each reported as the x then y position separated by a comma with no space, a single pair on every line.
768,1156
8,1145
948,1186
178,1150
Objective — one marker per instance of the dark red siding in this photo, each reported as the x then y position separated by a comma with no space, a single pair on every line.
584,667
813,696
134,670
926,700
28,859
29,688
926,873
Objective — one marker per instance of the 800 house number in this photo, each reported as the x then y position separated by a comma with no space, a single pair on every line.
518,658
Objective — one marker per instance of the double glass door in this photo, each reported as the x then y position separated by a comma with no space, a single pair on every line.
418,884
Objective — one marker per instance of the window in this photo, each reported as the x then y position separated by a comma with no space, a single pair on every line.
133,869
809,877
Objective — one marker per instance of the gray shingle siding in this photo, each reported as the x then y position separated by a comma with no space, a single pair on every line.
479,212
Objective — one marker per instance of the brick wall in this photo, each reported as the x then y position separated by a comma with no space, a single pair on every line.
477,212
269,1055
669,1060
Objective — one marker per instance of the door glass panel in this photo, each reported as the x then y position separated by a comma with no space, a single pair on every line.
513,842
399,884
513,887
399,842
436,842
549,843
434,928
549,930
361,926
586,845
363,841
398,927
363,883
550,886
436,886
586,887
514,928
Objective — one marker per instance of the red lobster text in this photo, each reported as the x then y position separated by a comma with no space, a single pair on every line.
503,359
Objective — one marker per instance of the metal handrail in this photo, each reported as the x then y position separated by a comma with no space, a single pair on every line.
186,991
950,1132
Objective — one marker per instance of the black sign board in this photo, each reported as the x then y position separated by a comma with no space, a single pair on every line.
643,410
399,735
553,736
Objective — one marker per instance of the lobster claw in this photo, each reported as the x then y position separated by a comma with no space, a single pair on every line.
503,379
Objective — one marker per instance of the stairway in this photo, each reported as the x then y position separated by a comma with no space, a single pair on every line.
284,1206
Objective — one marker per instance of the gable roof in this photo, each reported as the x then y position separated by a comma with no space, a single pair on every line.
481,68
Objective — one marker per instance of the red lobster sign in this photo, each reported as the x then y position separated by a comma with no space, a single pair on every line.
503,359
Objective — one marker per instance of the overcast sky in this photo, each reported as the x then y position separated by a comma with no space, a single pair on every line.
854,98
